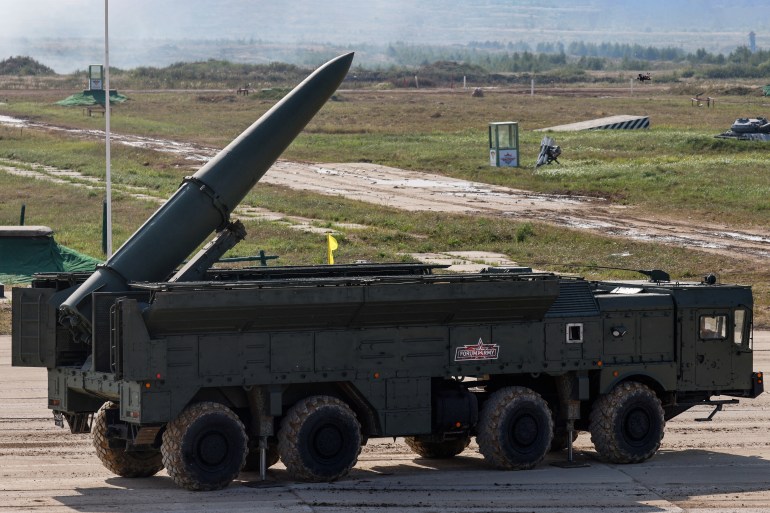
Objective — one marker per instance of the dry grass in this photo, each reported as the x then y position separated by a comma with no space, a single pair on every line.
677,165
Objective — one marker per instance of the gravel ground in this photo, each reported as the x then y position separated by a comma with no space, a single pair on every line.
720,466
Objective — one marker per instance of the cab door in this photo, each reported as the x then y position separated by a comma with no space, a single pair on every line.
743,358
714,349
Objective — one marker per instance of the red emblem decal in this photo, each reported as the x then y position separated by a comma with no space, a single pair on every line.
480,351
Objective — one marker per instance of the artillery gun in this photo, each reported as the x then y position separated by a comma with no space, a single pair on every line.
208,372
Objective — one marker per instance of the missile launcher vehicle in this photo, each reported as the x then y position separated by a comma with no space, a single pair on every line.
207,372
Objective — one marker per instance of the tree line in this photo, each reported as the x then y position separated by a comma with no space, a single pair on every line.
487,62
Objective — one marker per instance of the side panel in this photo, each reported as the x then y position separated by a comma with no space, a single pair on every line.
407,407
292,352
142,358
33,340
572,339
638,328
521,345
335,350
621,342
656,336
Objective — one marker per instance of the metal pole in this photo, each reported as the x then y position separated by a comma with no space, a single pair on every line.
108,176
104,226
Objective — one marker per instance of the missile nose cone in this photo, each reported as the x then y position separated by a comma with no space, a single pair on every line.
344,61
242,163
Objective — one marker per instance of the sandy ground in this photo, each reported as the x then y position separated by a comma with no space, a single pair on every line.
719,466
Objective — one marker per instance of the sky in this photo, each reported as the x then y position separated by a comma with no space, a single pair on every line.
27,27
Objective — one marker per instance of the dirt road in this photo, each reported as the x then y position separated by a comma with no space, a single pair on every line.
412,190
718,466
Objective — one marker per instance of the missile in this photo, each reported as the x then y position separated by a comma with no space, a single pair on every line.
204,201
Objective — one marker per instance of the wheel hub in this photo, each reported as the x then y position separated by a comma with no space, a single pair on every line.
637,424
524,431
328,441
212,449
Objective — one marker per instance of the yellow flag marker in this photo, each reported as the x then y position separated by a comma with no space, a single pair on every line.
331,242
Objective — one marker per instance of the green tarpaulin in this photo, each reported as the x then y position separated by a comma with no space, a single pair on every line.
26,250
87,98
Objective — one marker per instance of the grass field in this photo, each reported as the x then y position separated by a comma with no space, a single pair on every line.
676,169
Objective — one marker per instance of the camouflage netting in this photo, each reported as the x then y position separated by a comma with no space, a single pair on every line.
87,98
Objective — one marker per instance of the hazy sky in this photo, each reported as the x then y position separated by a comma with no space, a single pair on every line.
718,25
213,19
333,18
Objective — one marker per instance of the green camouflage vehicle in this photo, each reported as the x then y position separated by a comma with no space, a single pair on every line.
207,372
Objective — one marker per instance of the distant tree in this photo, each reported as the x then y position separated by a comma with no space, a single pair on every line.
24,66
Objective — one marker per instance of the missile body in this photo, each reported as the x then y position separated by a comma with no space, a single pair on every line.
204,201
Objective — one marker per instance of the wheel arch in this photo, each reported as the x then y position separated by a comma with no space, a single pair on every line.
608,382
541,382
342,390
236,398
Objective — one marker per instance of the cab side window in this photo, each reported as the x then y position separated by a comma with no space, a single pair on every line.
713,327
740,323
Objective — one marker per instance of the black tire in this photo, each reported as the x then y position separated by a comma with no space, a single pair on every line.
205,447
319,439
437,449
118,460
515,429
627,424
252,459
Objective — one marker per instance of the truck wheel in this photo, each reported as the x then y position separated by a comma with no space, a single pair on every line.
438,450
515,429
319,439
252,459
205,447
627,424
118,460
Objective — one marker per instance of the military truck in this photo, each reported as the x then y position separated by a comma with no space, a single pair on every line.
206,371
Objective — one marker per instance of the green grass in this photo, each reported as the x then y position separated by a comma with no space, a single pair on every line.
677,168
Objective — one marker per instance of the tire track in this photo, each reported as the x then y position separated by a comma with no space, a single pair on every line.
419,191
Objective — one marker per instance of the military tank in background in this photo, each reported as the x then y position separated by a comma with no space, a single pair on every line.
748,129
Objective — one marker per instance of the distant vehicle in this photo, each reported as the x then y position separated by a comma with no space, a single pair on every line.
644,77
750,125
748,129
